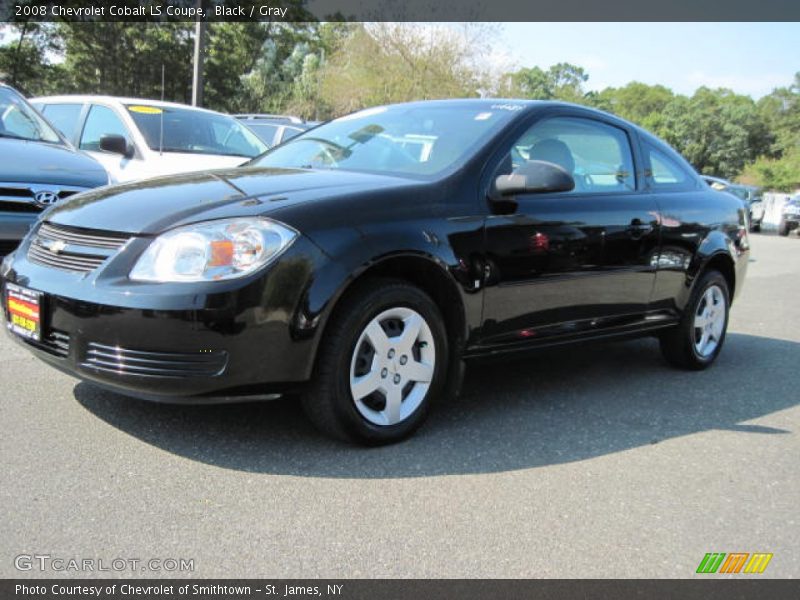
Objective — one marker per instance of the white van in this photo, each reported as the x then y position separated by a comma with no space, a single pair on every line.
135,139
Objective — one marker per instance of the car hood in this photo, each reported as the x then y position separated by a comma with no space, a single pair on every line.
39,162
154,205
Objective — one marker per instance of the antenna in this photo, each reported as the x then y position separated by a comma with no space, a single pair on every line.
161,135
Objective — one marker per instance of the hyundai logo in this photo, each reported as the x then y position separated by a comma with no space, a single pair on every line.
45,198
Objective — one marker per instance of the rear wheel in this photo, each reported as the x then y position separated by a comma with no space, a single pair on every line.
783,228
697,341
382,361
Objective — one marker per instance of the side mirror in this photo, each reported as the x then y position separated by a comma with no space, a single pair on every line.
535,177
117,144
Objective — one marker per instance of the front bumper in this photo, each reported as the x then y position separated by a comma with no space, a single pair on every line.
174,342
792,220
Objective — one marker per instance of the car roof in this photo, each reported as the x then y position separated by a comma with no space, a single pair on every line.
118,100
265,117
523,106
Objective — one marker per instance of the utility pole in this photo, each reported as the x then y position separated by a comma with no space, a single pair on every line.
199,57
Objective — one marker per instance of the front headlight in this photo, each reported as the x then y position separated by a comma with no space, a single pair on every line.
213,251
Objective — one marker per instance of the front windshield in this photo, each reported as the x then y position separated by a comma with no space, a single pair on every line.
18,120
171,129
402,140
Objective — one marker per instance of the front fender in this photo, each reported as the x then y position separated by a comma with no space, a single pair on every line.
443,248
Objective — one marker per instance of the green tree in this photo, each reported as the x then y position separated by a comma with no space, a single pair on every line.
286,75
244,59
396,62
562,81
125,59
781,112
779,174
718,131
637,102
24,60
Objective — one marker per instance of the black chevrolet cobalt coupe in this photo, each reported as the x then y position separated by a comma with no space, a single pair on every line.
364,262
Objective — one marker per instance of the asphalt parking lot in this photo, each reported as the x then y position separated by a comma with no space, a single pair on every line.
594,462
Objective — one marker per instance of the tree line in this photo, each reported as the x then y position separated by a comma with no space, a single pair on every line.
321,70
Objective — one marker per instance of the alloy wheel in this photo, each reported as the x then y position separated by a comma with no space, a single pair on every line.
709,321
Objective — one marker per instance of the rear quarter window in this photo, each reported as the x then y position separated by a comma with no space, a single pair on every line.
665,173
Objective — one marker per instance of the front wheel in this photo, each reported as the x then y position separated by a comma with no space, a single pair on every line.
382,360
783,228
697,340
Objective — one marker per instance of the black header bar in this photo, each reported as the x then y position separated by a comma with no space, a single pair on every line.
401,10
750,588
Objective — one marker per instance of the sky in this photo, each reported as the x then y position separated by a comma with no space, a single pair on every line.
749,58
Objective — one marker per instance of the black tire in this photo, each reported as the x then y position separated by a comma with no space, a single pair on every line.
328,401
678,344
755,227
783,228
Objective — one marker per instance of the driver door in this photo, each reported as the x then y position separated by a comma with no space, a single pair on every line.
574,262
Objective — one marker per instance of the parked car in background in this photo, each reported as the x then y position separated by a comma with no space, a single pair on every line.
360,265
750,195
276,129
135,139
38,168
790,216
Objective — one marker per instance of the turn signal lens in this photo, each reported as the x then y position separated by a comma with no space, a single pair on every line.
221,254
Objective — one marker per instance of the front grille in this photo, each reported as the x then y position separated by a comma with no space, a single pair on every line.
19,207
84,237
56,343
73,249
21,197
11,191
122,361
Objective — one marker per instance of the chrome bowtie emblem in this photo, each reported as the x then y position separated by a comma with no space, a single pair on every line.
45,198
55,246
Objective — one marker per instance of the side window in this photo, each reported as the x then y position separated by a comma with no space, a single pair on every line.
664,172
597,155
266,132
64,117
101,121
290,132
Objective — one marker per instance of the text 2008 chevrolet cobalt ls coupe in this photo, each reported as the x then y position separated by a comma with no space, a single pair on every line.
362,263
